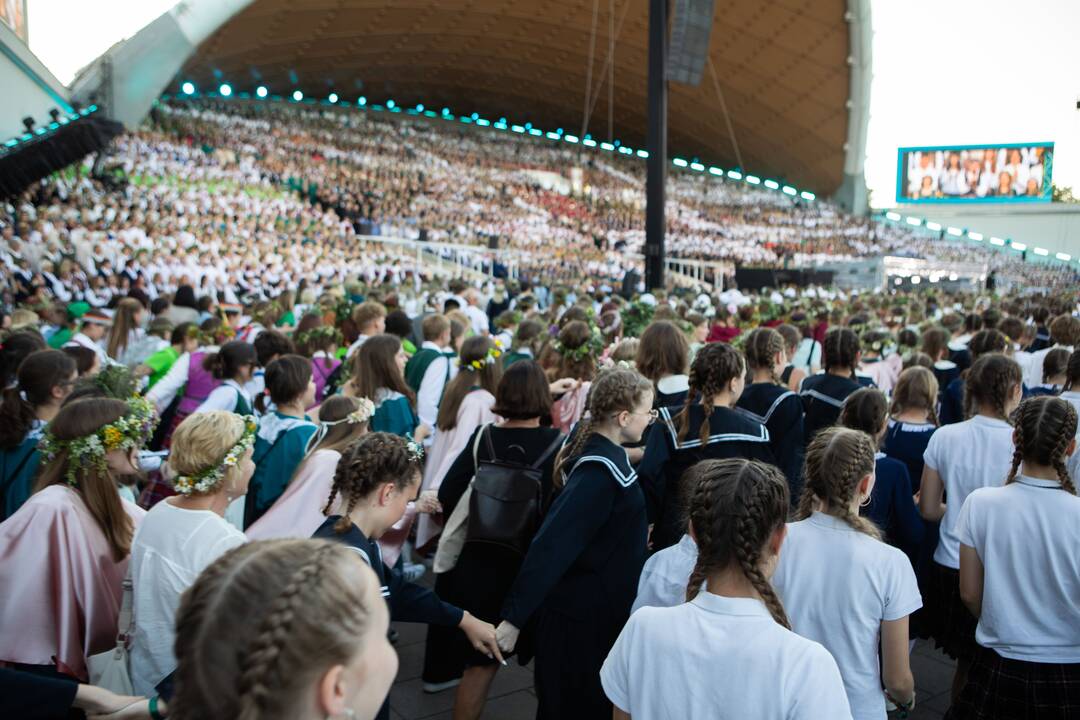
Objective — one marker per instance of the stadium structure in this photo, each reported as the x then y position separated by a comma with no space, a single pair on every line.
780,96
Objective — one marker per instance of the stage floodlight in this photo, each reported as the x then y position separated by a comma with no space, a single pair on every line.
188,88
261,91
297,96
225,90
333,98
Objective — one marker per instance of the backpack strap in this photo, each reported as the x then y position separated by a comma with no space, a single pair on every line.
486,432
476,445
555,444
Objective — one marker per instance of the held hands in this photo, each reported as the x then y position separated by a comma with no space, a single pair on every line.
422,433
507,636
562,386
481,636
428,502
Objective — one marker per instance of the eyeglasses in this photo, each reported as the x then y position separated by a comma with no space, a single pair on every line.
653,414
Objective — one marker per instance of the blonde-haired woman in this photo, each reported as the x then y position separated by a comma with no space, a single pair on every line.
298,512
211,460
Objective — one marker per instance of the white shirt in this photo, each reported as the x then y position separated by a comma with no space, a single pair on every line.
823,553
81,340
968,455
355,346
720,658
1027,535
477,318
224,397
436,376
171,547
1033,370
665,575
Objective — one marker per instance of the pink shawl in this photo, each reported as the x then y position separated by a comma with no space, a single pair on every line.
568,409
62,588
475,411
298,512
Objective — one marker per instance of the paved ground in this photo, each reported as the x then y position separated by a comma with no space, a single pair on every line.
512,696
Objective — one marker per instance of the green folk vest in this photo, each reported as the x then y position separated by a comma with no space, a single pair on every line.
419,363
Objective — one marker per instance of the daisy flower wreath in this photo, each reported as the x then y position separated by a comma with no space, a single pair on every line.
129,432
205,480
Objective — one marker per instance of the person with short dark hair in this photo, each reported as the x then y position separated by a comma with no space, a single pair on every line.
481,579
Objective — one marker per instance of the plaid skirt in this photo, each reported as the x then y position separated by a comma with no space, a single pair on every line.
1002,689
952,624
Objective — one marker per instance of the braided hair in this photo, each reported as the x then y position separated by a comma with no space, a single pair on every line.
916,388
735,507
714,368
840,349
761,348
613,391
867,410
836,460
1072,372
990,381
262,623
370,461
987,341
1044,427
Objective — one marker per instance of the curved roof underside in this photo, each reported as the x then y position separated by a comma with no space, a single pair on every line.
782,68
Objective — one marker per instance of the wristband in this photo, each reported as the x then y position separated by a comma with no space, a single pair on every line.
903,708
154,712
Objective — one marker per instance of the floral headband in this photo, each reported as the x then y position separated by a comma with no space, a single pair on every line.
590,348
317,333
360,415
129,432
416,451
205,480
493,354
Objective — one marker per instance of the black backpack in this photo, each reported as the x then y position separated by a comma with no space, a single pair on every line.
506,503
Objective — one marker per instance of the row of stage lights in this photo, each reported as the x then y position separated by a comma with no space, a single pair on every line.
58,122
955,232
262,92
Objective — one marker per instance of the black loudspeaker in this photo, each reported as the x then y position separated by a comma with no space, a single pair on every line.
688,46
423,235
493,243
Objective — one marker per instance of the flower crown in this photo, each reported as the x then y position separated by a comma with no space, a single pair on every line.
317,334
129,432
416,450
590,348
493,354
360,415
205,480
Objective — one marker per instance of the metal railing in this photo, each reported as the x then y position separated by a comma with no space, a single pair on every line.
476,262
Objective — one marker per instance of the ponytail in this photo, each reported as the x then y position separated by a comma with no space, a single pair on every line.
38,374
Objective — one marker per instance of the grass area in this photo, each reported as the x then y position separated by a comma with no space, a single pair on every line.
214,186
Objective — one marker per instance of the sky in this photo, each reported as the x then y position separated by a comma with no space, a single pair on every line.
945,71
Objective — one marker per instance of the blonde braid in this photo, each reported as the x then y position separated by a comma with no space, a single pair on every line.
838,457
572,449
259,668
